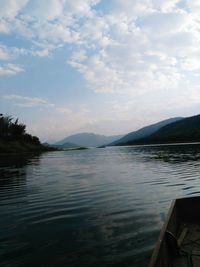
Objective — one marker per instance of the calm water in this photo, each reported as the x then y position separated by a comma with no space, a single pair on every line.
96,207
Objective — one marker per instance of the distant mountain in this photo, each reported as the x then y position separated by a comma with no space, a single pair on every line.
89,139
185,130
66,145
143,132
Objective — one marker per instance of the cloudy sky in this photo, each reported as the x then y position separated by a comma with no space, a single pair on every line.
103,66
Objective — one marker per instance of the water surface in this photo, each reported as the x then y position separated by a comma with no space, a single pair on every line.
96,207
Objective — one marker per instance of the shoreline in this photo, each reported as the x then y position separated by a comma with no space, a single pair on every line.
23,147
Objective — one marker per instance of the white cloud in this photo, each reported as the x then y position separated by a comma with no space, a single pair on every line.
42,10
112,51
79,56
101,77
164,23
131,8
41,53
191,63
7,53
4,26
164,5
145,50
10,69
79,8
25,101
51,108
10,8
134,48
54,33
31,102
4,53
194,6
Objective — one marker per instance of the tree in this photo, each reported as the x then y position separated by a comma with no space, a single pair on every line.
10,130
5,123
17,130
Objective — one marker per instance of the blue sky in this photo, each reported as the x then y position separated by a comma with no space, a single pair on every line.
107,67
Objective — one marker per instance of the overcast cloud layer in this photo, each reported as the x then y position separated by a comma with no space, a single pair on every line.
142,58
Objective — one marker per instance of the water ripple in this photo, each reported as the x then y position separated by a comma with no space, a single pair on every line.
98,207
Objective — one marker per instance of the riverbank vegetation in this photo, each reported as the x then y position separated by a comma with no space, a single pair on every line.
14,138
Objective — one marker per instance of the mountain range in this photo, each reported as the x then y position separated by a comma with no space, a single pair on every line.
66,145
172,130
87,140
143,132
182,131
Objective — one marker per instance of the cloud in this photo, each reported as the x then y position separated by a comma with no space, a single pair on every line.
164,5
145,52
41,53
40,10
4,53
7,53
194,6
4,26
100,76
10,8
131,8
32,102
164,23
192,63
10,69
25,101
129,47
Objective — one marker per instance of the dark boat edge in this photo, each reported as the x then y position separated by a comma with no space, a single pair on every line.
181,210
161,237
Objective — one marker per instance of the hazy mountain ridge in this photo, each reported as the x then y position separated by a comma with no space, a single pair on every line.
144,132
88,139
66,145
185,130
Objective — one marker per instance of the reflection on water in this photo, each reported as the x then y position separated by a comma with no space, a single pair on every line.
97,207
13,167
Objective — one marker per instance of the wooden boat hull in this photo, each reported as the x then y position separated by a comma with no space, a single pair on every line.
183,222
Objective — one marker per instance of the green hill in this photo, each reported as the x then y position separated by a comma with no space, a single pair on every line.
185,130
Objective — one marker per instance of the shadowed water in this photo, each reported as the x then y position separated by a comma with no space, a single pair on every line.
96,207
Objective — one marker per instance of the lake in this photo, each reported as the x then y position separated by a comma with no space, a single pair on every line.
95,207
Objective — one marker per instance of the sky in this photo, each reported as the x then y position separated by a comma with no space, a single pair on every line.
102,66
